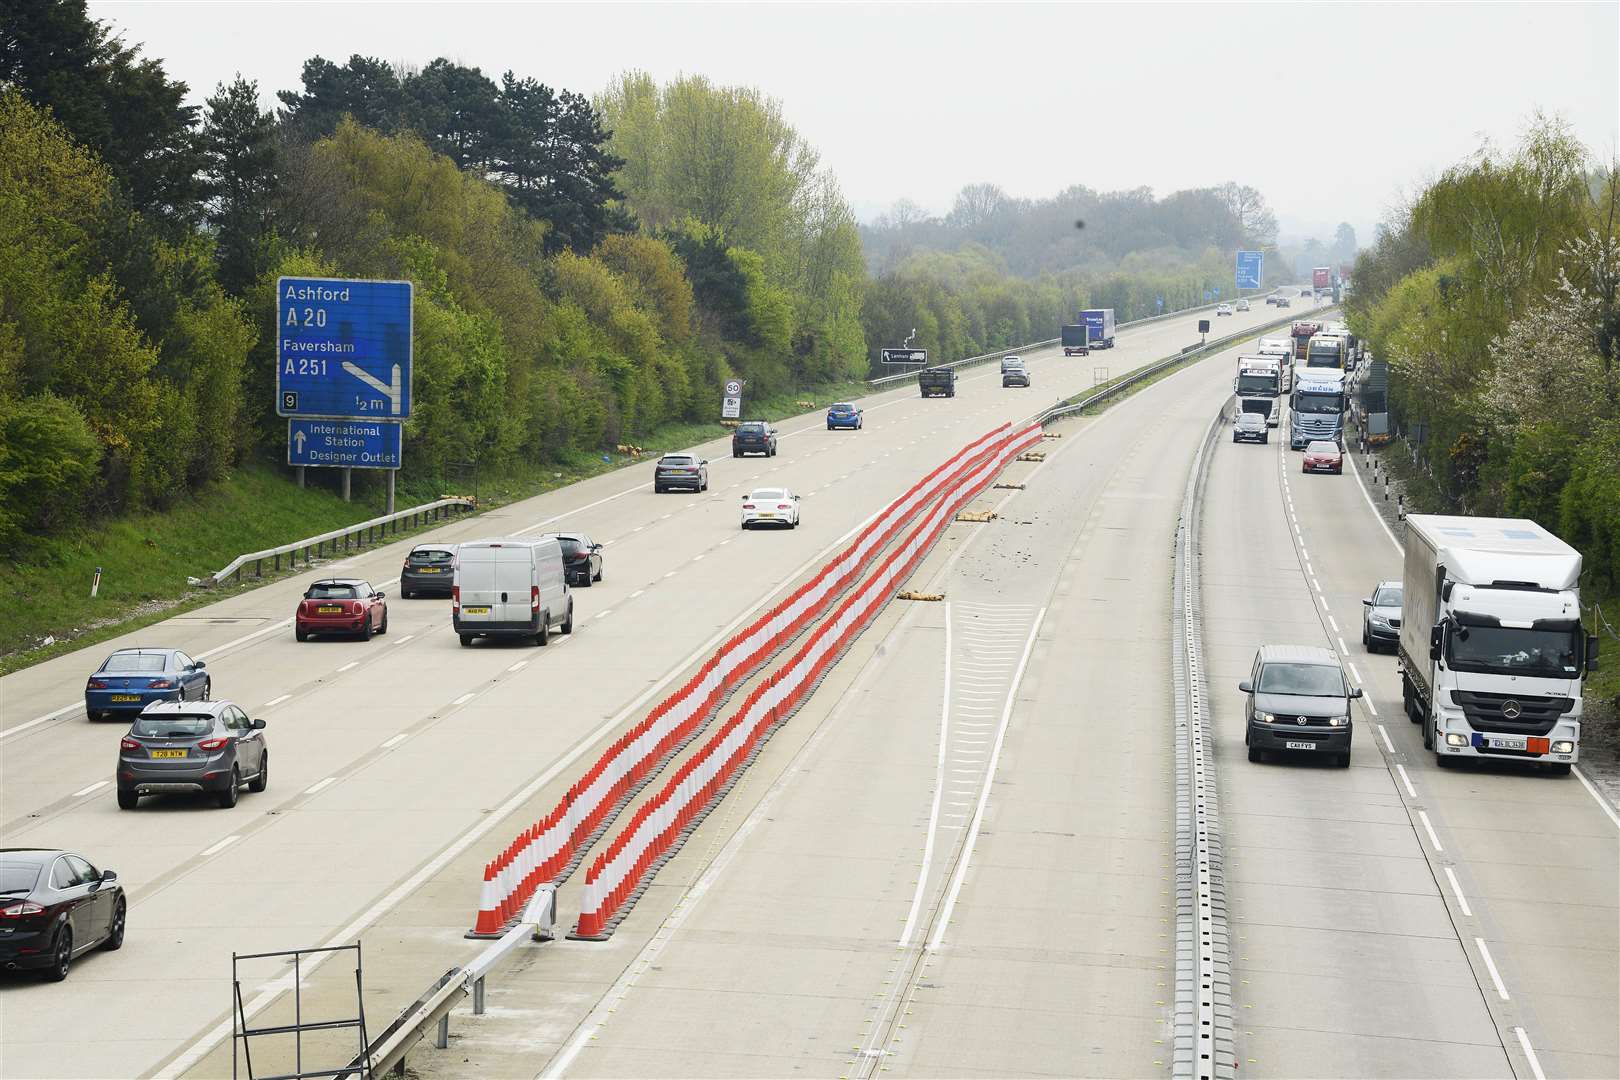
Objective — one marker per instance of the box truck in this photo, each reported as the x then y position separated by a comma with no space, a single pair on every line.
1099,327
1492,652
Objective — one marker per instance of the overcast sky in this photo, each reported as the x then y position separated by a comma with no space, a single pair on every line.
1331,110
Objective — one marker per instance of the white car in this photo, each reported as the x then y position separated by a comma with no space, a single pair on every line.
770,506
1243,305
1223,309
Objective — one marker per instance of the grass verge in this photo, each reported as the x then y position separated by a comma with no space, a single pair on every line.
146,557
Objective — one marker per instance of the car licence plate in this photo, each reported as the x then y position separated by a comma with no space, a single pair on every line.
1507,743
329,609
168,753
1300,745
126,697
475,611
766,514
429,570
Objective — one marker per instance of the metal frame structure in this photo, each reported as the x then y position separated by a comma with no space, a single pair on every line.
241,1033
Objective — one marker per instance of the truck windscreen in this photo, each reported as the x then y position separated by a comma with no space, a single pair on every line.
1257,384
1502,650
1306,401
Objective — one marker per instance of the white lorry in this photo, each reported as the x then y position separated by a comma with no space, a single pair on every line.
1492,652
1258,387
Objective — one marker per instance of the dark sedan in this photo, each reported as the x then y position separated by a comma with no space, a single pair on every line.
1249,427
54,908
582,559
753,437
680,471
131,679
429,570
211,747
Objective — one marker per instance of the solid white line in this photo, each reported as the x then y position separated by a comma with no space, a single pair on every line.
1382,524
41,719
1530,1052
1456,889
939,787
1428,827
1490,965
275,701
221,846
1601,801
1407,780
348,666
1387,744
984,790
320,785
97,786
463,699
394,741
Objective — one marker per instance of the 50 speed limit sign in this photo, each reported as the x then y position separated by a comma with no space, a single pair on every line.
733,388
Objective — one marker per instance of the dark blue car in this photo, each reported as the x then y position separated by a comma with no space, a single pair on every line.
843,415
131,679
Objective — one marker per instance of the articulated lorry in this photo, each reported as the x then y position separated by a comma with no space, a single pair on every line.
1099,327
1076,339
1316,407
1302,332
1258,387
1492,652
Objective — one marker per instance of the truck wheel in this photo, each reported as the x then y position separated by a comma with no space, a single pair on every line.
1409,700
1428,735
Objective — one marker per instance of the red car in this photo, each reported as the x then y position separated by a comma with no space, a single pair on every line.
1323,457
341,606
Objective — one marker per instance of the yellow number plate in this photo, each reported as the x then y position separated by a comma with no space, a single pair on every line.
475,611
126,697
168,753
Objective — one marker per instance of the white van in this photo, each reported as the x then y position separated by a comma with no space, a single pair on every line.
510,588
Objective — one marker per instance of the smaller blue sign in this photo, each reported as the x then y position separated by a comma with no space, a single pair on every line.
1250,272
350,444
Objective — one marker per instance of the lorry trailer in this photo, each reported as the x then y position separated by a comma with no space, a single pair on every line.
1099,327
1076,340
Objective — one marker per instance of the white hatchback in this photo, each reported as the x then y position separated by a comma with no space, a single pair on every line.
770,506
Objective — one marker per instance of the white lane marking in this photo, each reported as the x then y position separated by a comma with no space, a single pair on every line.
390,743
1428,827
670,574
984,790
1407,780
1335,624
1370,707
581,509
97,786
1456,890
1304,552
349,666
221,846
404,639
638,528
1490,965
1346,649
699,556
637,593
463,699
939,787
604,614
1354,672
1601,801
275,701
320,785
1382,524
1387,744
1530,1052
519,666
41,719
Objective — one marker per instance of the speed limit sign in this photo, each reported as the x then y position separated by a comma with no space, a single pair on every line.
733,388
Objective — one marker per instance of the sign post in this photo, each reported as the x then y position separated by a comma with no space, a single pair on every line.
1250,269
731,402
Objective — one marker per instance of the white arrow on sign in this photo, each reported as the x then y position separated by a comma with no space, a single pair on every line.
298,441
391,392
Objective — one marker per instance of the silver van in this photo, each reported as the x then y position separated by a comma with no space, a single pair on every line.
510,588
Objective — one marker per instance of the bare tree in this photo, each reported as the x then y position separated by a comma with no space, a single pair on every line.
1254,217
975,205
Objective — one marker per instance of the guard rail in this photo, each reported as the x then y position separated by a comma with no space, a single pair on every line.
361,533
896,380
387,1051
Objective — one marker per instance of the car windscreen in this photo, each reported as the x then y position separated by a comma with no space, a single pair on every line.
331,592
1321,448
768,493
1304,680
570,545
18,877
1388,596
1505,650
677,460
842,406
1255,382
136,662
750,429
432,556
1319,401
172,726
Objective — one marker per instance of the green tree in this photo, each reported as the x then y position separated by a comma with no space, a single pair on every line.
240,181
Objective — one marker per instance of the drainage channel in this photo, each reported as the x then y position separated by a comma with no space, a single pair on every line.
1204,1045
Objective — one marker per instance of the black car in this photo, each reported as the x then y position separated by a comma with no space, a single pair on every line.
1249,427
429,570
753,437
582,559
55,907
680,471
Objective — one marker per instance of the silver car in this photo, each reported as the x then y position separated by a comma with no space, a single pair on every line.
1381,617
208,746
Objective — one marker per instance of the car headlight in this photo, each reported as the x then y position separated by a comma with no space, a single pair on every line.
1338,721
1564,746
1456,739
1378,620
1265,717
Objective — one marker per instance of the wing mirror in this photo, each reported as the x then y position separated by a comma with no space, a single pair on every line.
1355,691
1246,686
1436,640
1367,602
1592,653
258,725
705,461
109,875
380,595
198,665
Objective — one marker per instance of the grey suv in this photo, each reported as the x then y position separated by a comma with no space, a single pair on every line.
207,746
1298,699
680,470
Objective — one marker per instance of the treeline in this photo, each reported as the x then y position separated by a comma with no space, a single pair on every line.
585,269
1495,295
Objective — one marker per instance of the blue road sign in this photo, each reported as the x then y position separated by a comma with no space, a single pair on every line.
343,348
1249,269
355,444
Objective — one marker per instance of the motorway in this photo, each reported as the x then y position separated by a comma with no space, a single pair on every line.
402,763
